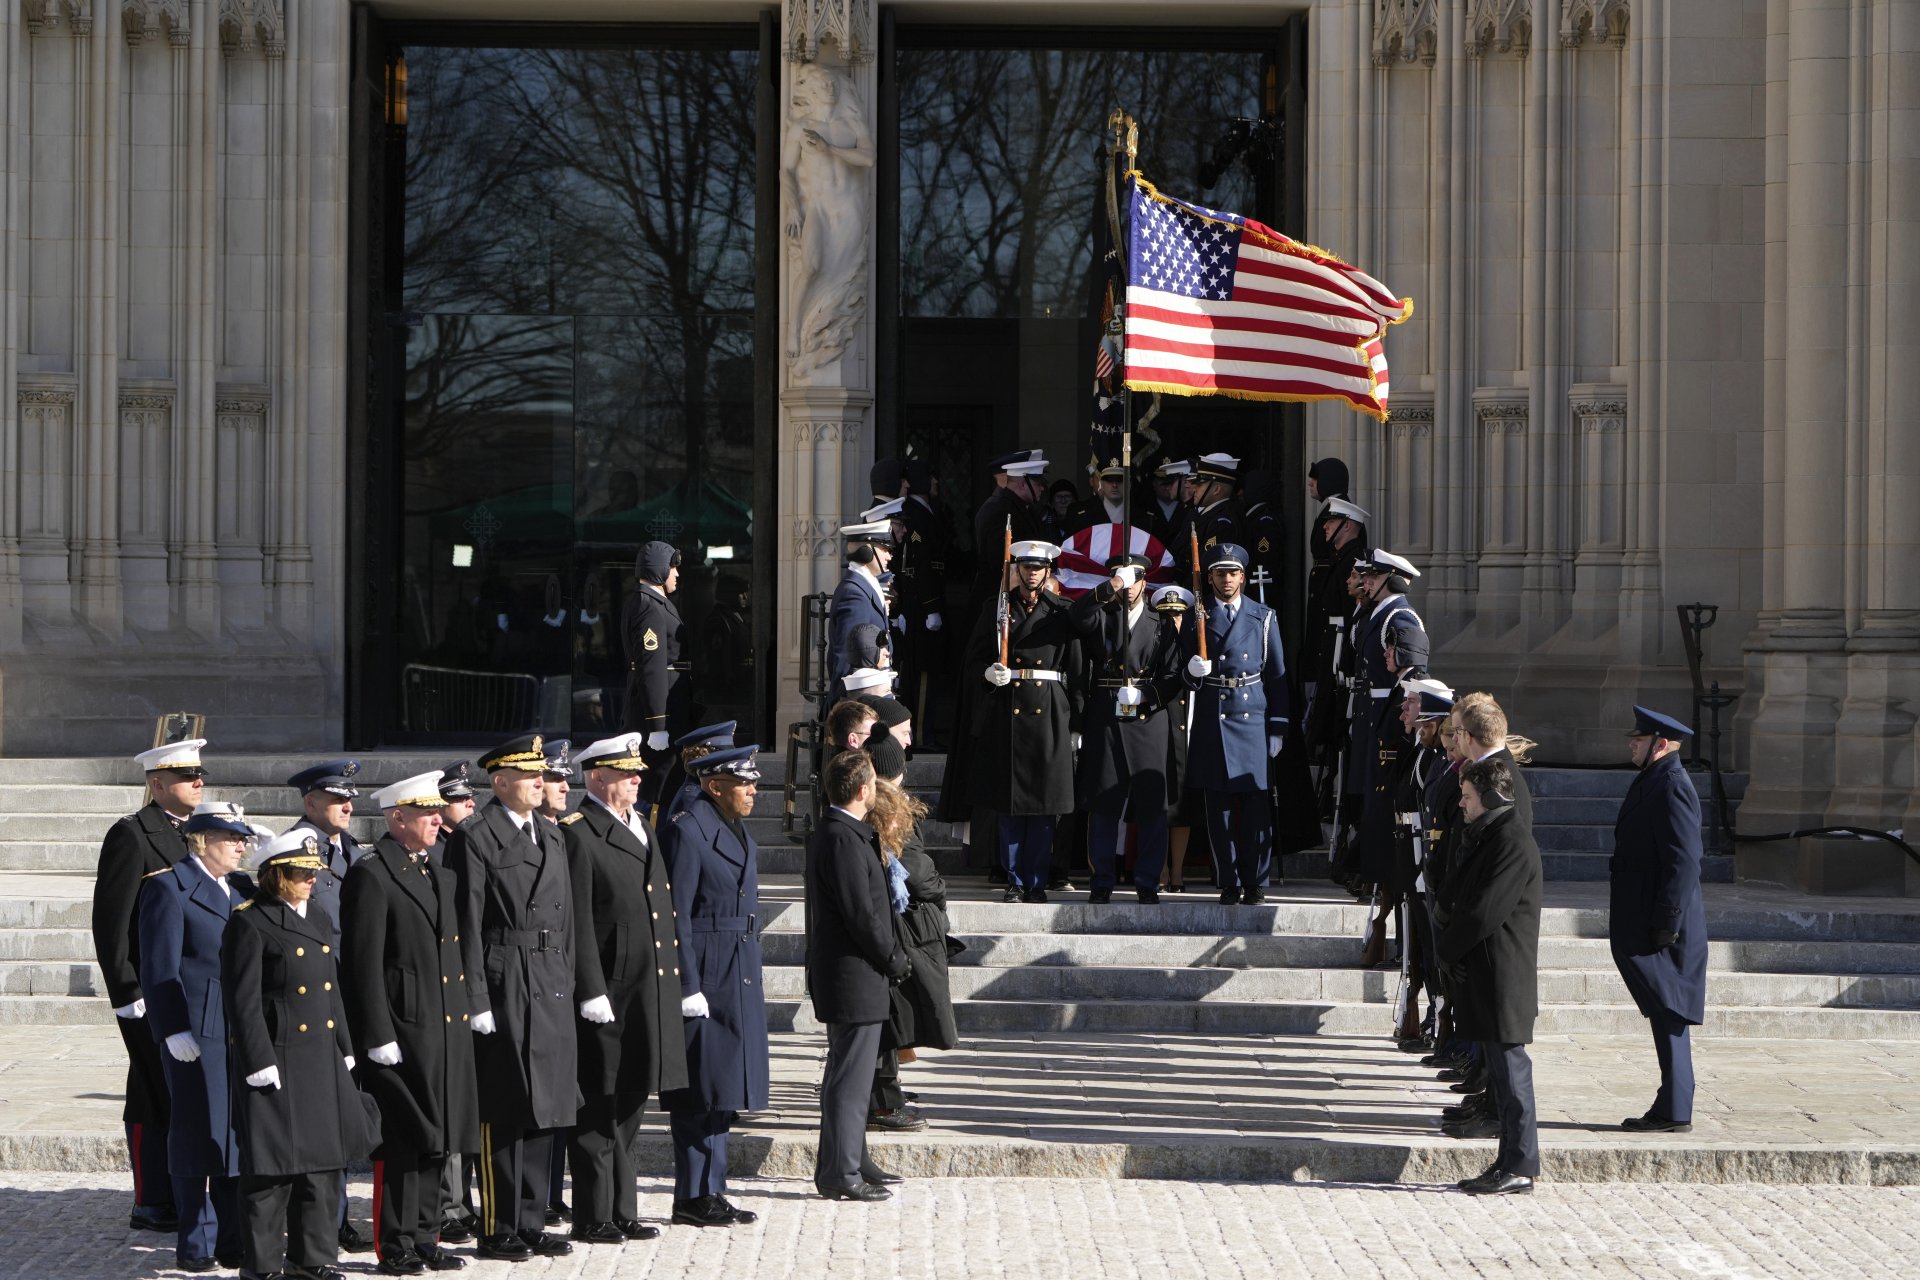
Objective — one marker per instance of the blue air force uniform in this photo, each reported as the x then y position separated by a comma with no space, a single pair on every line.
1239,705
1657,918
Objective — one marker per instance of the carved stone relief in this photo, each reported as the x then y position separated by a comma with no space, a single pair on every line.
146,428
51,15
807,432
1503,26
1501,417
249,24
240,429
142,20
845,22
1596,20
1411,420
815,539
825,168
46,445
1404,31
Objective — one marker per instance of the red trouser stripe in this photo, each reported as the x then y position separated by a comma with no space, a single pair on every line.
379,1195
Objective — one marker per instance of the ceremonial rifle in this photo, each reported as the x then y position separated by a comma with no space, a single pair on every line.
1199,606
1003,615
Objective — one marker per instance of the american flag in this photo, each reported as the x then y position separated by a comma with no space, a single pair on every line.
1083,557
1218,304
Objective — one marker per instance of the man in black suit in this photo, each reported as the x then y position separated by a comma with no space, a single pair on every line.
135,847
852,956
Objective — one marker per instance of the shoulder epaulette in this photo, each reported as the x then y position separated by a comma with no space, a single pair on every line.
572,818
244,905
151,874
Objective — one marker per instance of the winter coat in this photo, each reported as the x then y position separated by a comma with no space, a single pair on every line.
1656,886
1488,932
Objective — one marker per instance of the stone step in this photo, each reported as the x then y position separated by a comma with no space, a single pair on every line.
1551,783
47,944
53,1010
261,769
50,978
85,828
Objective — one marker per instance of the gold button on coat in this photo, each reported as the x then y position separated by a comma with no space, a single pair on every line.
303,1026
300,990
299,951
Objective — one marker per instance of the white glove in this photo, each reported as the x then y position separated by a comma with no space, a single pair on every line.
387,1055
1199,668
266,1077
483,1023
599,1009
999,675
349,1062
1273,746
1128,574
933,622
693,1006
183,1047
1128,695
658,740
1076,742
898,622
138,1009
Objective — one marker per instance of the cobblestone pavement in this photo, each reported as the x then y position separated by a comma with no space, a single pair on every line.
1048,1228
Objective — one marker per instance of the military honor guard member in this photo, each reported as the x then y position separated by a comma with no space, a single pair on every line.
1218,517
1164,513
1390,640
135,847
1019,483
556,779
183,917
516,915
626,987
655,640
1657,918
1108,504
1239,723
326,800
296,1113
404,973
1024,722
920,582
858,600
1127,744
713,865
1325,661
456,788
1423,709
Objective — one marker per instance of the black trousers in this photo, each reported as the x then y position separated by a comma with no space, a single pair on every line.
148,1108
886,1094
844,1091
516,1171
1510,1079
406,1202
601,1152
291,1219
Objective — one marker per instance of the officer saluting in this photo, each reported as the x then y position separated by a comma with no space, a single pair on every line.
625,985
326,797
516,918
1657,919
403,974
1239,724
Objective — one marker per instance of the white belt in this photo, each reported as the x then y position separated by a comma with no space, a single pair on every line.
1381,693
1407,817
1021,674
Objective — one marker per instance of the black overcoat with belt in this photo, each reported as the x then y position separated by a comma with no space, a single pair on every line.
1656,886
1390,620
1022,747
281,980
922,930
405,979
1122,758
515,906
713,866
1489,941
852,950
135,847
628,950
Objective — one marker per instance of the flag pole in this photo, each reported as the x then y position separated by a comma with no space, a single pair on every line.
1124,134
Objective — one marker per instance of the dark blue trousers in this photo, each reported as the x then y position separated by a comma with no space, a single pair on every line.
1104,836
209,1217
1026,850
1240,828
1510,1078
699,1152
1674,1048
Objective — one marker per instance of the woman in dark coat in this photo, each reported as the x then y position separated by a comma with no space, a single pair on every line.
923,1005
297,1115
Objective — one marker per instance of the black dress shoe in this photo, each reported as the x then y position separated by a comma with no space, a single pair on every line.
1011,895
1252,898
507,1247
1476,1127
1034,895
351,1241
1501,1184
546,1244
1229,897
874,1176
319,1273
741,1217
1453,1073
898,1120
598,1233
195,1265
1060,883
702,1211
438,1259
407,1264
231,1261
558,1209
159,1220
1100,897
1477,1104
1175,886
455,1231
1149,896
1475,1082
1651,1123
634,1229
863,1193
1490,1172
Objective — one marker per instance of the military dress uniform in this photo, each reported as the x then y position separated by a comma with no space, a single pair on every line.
135,847
1221,522
682,788
296,1113
857,600
1389,620
340,852
713,865
515,907
654,637
404,973
627,954
920,584
1239,709
1023,727
183,917
1327,656
1127,739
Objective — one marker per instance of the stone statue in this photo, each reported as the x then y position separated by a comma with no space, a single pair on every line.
823,178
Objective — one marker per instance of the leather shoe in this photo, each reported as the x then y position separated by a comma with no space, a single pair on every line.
1475,1082
1491,1171
1229,897
455,1231
598,1233
195,1265
1035,895
1477,1104
1011,895
1149,896
231,1261
1099,897
546,1244
702,1211
1252,898
1500,1183
1452,1073
318,1273
159,1220
1651,1123
351,1241
862,1192
558,1212
1477,1127
741,1217
898,1120
874,1176
634,1229
504,1248
440,1260
406,1264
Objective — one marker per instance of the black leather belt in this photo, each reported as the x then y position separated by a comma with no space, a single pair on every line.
723,924
531,939
1230,682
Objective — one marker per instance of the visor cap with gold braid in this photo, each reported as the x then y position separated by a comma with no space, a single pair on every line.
422,791
299,847
528,752
619,752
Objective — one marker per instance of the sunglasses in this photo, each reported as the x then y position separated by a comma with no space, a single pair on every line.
302,873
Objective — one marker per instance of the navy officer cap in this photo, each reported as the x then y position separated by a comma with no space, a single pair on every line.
1133,558
455,783
1226,555
712,735
334,777
527,753
735,762
1649,723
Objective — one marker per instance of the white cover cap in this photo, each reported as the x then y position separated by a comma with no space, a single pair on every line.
174,755
422,791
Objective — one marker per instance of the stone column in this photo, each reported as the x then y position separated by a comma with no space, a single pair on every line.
12,68
827,195
97,600
291,542
197,603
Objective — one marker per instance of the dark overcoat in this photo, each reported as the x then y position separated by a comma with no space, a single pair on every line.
1393,752
1489,936
1242,703
1223,522
135,847
1390,620
183,917
856,602
1122,758
404,971
655,643
1022,749
1409,819
989,541
326,888
922,930
852,951
628,950
1656,886
713,867
281,976
515,906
